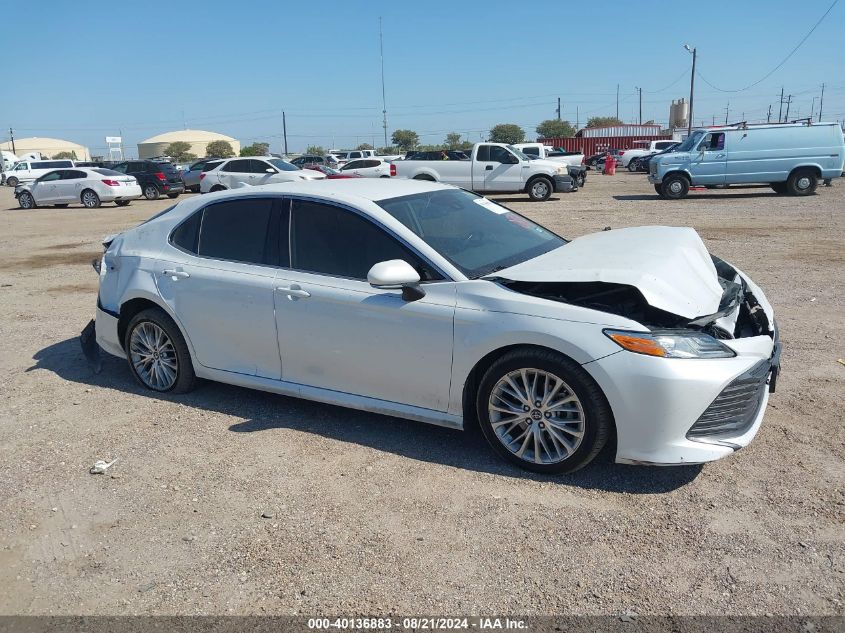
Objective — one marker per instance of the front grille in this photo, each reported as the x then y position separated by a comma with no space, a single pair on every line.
733,411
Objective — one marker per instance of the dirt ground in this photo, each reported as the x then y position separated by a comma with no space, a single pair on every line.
371,514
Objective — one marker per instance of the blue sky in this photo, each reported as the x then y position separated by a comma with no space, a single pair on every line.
90,69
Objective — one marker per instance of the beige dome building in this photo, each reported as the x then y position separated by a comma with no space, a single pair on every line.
47,147
197,139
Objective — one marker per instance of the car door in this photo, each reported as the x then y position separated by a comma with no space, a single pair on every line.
217,275
235,173
503,172
709,161
354,168
337,332
69,188
263,173
45,189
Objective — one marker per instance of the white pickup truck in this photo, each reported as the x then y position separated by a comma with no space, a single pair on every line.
493,168
643,148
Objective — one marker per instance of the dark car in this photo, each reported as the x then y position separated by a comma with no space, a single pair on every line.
191,176
643,161
155,178
593,161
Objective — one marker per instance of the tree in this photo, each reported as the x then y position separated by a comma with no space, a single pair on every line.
70,155
317,150
256,149
507,133
223,149
603,121
179,151
552,128
365,146
387,151
405,139
453,140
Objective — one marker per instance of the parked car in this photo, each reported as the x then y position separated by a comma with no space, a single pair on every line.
642,163
428,302
790,157
641,148
330,174
30,170
369,168
156,178
88,186
191,176
592,161
494,168
247,172
312,159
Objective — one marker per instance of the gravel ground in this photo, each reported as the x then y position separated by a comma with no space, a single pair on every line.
370,514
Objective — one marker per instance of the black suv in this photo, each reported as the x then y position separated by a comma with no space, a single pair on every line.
155,178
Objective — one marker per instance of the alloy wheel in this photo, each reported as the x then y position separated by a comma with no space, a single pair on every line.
90,199
153,356
26,201
536,416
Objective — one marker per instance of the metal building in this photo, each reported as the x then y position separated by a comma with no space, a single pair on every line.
197,139
47,147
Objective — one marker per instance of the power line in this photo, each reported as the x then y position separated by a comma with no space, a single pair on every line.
785,59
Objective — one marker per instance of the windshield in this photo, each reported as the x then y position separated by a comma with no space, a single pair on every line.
282,165
476,235
519,153
690,142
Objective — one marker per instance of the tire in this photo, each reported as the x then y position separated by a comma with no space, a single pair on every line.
12,182
90,199
217,188
61,206
633,165
802,182
172,196
150,333
26,201
540,189
581,180
584,420
779,187
674,187
151,192
194,189
122,203
424,177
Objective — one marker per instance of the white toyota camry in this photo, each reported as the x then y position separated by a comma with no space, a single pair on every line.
428,302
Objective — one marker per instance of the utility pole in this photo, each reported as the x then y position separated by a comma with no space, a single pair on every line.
558,108
617,102
12,138
780,112
693,51
285,132
813,110
640,90
788,103
577,120
727,109
769,115
383,99
821,104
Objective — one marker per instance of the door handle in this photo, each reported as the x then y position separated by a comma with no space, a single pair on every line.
291,292
720,155
489,168
175,274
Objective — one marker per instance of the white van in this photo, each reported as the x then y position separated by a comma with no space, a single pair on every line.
29,170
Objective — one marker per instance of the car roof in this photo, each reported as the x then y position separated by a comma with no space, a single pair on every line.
349,190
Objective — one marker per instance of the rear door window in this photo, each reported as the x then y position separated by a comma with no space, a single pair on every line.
236,166
73,174
239,231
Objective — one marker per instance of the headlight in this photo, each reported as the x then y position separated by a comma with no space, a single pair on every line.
561,171
671,344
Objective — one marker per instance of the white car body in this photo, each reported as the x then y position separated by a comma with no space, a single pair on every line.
644,148
392,344
68,186
486,172
369,168
26,170
252,171
539,150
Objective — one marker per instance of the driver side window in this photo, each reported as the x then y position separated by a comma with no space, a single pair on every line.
53,175
712,142
500,154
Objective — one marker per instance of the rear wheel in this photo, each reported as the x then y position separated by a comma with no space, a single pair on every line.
218,188
802,182
157,353
540,189
122,203
90,199
424,177
674,187
151,192
542,412
26,201
12,182
195,189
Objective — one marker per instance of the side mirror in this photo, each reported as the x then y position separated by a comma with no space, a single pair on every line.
394,274
270,170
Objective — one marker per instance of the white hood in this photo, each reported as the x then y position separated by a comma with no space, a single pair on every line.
670,266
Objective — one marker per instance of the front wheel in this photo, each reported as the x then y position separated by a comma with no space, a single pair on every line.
542,412
540,190
151,192
674,187
802,182
634,165
158,355
26,201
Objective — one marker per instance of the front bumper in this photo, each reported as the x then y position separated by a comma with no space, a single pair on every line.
564,184
657,401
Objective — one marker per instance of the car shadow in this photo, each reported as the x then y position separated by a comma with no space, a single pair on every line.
263,412
695,195
519,199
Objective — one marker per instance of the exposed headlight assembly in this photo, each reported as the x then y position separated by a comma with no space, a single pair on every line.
671,343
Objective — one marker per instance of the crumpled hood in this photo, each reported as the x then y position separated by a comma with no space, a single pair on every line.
670,266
